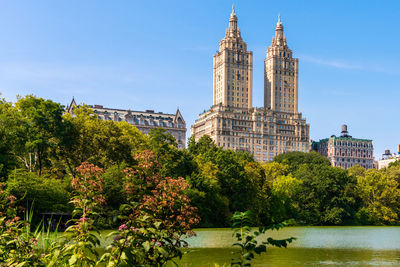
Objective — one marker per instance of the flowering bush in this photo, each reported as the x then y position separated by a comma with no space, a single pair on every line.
17,244
78,249
156,219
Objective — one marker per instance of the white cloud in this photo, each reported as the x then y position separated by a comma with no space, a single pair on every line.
341,64
332,63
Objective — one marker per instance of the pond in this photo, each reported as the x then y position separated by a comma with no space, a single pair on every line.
315,246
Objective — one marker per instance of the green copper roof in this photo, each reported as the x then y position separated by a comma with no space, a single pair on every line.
345,139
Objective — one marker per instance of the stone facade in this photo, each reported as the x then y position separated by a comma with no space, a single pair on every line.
345,151
232,122
233,69
143,120
281,75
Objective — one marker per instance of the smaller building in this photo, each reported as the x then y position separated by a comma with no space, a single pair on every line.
143,120
345,151
388,158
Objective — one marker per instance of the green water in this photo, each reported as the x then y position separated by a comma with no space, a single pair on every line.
315,246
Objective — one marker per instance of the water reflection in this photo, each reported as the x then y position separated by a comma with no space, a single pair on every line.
315,246
366,237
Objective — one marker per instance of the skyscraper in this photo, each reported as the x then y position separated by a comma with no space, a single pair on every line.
280,75
232,122
233,69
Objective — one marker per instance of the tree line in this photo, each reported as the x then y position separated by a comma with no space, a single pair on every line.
41,147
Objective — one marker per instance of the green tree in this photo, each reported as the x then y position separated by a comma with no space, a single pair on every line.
43,193
274,169
103,143
205,193
356,170
295,159
38,131
285,189
175,162
230,178
327,194
393,171
204,145
8,160
380,196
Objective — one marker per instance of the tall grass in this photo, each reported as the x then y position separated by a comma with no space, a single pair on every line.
46,238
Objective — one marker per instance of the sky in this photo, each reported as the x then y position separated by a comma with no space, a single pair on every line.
157,55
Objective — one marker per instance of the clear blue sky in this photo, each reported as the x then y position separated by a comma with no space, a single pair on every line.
158,55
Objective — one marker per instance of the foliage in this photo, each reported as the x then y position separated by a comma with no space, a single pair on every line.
295,159
285,189
327,195
247,238
104,143
380,195
274,169
38,131
8,161
40,149
47,194
223,181
156,218
17,243
78,248
174,162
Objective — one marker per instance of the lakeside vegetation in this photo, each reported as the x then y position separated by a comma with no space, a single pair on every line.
41,147
107,175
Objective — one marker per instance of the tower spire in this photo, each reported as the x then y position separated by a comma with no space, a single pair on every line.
233,20
279,30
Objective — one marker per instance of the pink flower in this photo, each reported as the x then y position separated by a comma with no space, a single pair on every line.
134,229
122,227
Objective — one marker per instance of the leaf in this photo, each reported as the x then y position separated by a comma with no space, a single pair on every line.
72,260
260,249
157,224
238,245
162,251
146,246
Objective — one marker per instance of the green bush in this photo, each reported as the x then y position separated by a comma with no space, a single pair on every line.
43,193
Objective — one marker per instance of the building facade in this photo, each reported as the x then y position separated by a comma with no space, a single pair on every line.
233,69
388,158
281,75
345,151
143,120
232,122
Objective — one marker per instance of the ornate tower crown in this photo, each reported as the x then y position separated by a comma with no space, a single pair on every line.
233,69
280,74
279,39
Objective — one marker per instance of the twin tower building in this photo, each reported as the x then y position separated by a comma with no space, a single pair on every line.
232,121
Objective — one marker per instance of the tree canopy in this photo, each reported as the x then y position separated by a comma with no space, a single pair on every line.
41,146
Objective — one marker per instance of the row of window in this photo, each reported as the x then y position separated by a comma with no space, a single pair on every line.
354,144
